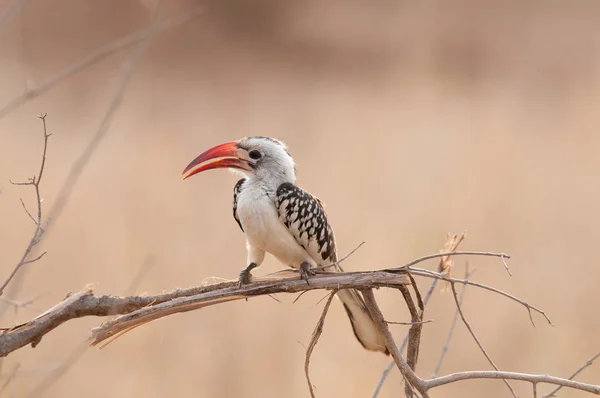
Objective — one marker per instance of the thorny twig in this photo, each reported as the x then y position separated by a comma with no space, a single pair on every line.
314,339
39,228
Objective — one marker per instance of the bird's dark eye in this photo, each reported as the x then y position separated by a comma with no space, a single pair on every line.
254,154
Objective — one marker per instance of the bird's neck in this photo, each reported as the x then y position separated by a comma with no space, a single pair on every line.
269,183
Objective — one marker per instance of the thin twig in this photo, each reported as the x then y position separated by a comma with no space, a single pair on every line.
314,339
39,230
468,325
505,265
528,307
585,365
457,253
452,326
408,323
27,211
337,263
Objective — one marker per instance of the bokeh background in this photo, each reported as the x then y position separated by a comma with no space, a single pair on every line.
408,119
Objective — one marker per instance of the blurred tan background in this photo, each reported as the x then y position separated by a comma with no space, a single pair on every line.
408,120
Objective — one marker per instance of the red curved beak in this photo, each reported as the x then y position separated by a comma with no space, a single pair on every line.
226,155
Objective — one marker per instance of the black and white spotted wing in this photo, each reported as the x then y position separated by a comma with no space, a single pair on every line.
236,191
305,218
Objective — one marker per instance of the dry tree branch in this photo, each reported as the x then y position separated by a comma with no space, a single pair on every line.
94,57
142,309
126,323
330,281
468,325
39,229
314,339
585,365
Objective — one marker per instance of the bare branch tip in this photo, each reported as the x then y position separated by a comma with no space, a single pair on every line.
503,257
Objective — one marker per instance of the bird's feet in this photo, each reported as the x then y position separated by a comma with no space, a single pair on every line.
245,275
306,271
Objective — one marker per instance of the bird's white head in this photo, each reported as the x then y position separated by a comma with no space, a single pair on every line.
262,159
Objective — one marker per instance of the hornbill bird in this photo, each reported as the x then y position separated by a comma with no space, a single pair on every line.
281,218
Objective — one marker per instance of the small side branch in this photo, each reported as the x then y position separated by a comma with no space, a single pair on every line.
314,339
39,229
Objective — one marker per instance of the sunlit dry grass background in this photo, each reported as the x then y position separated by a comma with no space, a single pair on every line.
408,120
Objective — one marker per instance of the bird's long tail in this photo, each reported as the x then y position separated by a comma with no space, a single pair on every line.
362,324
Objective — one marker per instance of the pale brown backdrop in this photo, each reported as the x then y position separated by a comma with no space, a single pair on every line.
408,120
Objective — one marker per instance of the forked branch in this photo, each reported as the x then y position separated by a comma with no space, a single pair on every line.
39,228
